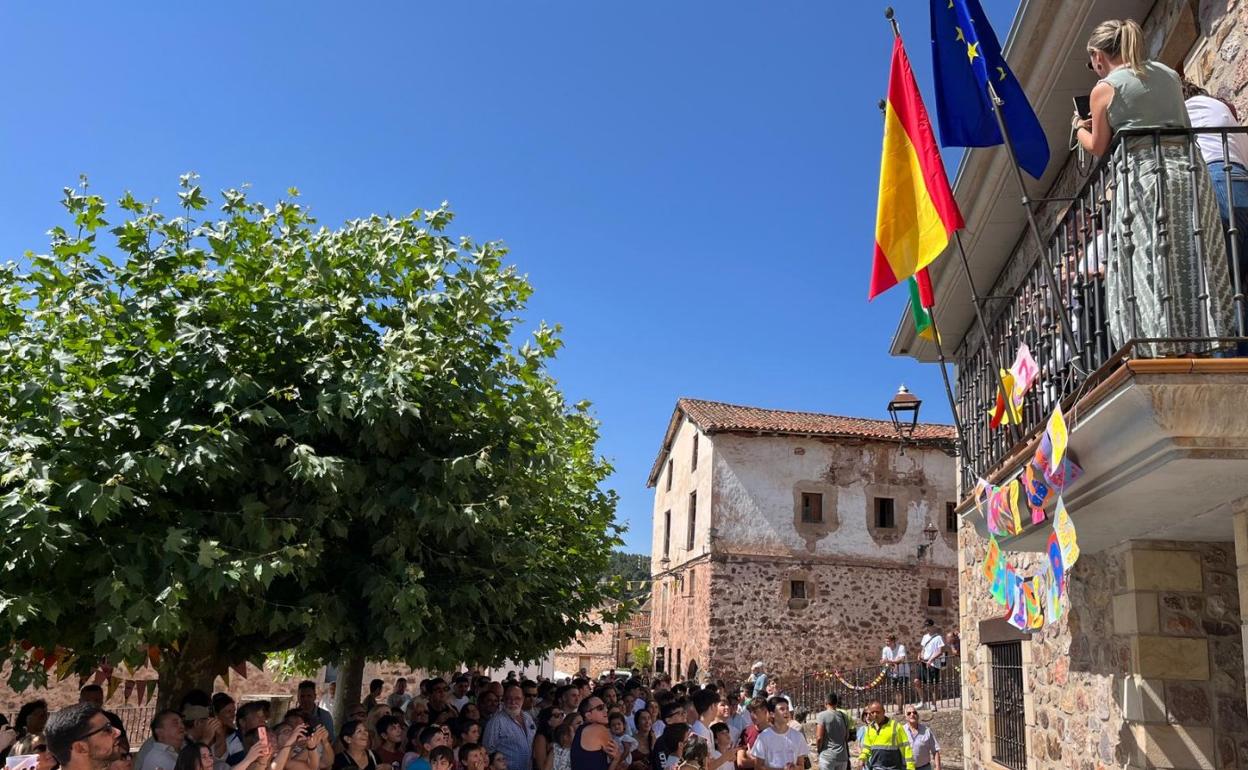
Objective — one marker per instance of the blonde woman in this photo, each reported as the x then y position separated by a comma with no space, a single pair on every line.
1159,271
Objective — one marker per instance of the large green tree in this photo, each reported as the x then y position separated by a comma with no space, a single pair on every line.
226,436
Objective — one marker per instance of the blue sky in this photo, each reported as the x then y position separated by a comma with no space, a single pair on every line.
690,185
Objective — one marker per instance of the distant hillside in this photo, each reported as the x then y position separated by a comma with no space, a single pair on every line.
633,567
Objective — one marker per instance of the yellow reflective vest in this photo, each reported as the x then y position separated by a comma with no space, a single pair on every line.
886,747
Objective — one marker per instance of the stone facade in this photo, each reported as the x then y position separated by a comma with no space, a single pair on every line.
756,576
611,647
1145,670
593,652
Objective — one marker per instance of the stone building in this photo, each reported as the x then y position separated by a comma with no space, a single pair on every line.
611,647
794,538
1147,668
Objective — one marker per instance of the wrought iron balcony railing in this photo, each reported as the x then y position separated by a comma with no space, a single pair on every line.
1082,235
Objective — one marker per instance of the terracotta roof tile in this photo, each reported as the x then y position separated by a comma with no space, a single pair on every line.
713,416
717,417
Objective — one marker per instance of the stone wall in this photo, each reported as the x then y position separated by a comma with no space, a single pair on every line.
672,490
851,606
258,684
1208,40
729,601
757,490
680,622
594,652
1145,670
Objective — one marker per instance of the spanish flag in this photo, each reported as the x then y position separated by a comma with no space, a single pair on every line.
916,213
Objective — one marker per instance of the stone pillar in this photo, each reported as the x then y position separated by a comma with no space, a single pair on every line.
1241,567
1165,696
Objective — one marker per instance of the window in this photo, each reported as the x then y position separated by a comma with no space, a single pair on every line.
670,468
812,508
667,533
677,669
692,582
797,589
693,520
884,513
659,654
693,464
951,517
1009,730
935,597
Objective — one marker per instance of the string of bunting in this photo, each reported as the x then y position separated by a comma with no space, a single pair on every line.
1031,601
835,674
59,662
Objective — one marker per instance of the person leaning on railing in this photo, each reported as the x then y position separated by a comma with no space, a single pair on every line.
1155,178
1228,170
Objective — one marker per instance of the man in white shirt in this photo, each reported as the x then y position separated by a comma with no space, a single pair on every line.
779,747
894,657
705,703
1206,111
931,661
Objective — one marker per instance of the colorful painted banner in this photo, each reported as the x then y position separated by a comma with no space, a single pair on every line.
1066,536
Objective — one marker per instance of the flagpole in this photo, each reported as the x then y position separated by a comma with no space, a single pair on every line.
1002,390
931,314
944,375
1050,280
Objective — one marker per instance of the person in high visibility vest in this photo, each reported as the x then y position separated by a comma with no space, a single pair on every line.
885,745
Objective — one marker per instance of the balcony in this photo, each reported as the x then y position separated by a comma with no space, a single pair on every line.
1160,425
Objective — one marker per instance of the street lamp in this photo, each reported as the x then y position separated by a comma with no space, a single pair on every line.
929,537
904,412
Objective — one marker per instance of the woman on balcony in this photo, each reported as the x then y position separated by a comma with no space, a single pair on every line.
1162,282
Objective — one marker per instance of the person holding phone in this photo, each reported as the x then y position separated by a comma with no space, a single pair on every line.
1155,289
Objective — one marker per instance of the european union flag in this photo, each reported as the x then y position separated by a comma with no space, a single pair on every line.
965,58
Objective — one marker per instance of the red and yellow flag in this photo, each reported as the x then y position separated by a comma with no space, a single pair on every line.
916,213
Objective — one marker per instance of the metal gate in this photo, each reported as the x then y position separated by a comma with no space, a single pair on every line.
1009,727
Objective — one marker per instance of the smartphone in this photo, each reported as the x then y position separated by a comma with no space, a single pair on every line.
1083,106
263,733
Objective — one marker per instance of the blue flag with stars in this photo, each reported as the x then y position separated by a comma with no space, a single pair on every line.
965,58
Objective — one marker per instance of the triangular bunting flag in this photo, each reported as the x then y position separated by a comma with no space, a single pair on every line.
62,668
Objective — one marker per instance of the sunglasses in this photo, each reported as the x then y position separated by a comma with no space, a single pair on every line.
912,713
599,707
100,729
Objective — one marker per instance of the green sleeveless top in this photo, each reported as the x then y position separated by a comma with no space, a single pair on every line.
1151,100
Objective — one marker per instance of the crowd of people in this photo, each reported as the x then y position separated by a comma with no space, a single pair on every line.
473,722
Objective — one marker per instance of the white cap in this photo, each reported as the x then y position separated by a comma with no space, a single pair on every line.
757,664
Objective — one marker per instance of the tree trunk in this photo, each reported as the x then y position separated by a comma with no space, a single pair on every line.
193,667
350,685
